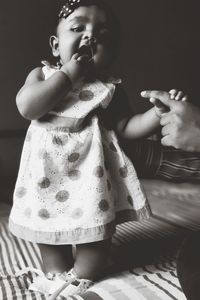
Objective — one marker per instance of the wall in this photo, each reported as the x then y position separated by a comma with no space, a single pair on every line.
160,50
160,47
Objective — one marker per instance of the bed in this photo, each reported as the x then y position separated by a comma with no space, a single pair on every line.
143,260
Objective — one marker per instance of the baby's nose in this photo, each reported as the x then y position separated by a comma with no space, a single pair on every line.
93,39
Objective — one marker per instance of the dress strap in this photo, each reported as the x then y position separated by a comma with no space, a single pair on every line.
114,80
50,66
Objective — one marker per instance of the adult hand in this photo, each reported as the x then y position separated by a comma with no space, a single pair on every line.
181,124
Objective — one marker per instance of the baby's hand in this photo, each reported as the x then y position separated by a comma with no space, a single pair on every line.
178,95
159,107
76,68
174,94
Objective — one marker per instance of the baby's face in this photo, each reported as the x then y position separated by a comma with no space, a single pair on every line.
86,26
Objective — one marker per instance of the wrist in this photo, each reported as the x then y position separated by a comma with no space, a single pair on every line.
66,76
70,73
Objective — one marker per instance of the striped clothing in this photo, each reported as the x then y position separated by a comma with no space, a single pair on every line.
153,160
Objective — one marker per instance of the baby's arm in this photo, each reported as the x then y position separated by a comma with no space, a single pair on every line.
143,125
38,96
138,126
125,124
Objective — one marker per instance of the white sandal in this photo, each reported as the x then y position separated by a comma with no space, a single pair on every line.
41,283
46,283
72,286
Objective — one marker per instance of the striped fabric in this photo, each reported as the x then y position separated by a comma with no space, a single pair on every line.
142,265
151,159
178,165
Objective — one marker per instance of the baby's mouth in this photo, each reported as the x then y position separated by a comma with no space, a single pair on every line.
86,51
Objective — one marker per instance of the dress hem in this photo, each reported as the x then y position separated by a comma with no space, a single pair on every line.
79,235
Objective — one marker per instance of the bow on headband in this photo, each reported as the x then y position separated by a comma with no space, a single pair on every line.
68,8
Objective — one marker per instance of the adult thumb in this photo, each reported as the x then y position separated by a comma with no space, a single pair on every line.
164,97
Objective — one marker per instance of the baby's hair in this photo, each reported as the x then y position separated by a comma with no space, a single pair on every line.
113,23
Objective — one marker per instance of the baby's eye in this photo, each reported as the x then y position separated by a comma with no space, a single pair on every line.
77,28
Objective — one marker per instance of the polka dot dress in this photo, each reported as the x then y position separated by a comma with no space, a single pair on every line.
75,183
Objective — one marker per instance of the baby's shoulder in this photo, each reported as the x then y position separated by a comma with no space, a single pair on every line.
35,75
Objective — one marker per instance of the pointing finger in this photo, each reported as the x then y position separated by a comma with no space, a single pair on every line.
164,97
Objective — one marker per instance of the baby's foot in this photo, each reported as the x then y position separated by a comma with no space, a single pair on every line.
68,284
40,281
178,95
41,284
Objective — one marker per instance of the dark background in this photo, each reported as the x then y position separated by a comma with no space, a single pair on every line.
161,48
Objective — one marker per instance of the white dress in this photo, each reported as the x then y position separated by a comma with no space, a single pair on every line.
75,183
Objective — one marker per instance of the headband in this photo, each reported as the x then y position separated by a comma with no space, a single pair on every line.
69,8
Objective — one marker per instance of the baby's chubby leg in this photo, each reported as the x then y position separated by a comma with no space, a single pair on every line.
91,259
56,258
89,263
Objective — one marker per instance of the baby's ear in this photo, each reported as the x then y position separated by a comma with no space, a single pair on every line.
53,41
